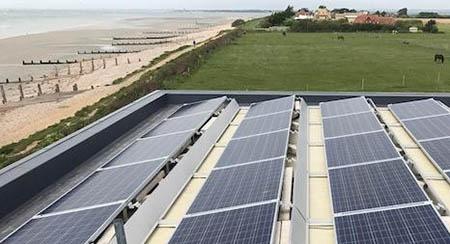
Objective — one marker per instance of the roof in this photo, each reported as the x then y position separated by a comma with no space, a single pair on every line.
266,147
375,19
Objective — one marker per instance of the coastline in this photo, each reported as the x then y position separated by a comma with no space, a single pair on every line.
21,119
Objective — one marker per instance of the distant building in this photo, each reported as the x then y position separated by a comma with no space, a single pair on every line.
349,16
322,13
413,29
374,19
304,14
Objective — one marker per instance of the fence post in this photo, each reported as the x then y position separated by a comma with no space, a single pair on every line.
39,89
120,231
21,92
3,94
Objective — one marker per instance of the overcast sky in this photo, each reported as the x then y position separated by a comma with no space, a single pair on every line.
224,4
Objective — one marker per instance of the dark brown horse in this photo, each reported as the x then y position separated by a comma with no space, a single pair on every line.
439,58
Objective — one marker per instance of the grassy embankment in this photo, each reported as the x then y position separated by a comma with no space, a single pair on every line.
319,62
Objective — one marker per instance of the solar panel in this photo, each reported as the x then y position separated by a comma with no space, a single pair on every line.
199,107
448,174
70,228
351,124
407,225
151,148
359,149
417,109
240,226
372,186
107,186
429,128
272,106
264,124
240,185
439,151
179,124
344,107
255,148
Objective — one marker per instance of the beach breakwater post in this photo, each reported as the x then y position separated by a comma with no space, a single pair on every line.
92,65
21,92
2,90
81,67
39,90
117,62
104,63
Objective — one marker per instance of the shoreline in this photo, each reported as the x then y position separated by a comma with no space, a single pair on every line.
22,120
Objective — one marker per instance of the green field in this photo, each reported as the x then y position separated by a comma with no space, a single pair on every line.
319,62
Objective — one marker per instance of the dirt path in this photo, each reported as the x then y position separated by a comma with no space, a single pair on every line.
19,120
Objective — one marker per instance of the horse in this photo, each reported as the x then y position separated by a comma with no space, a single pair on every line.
439,58
342,38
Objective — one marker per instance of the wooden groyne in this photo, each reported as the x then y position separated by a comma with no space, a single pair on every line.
49,62
140,43
144,38
108,52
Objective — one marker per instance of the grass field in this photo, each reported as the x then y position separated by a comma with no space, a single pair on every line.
319,62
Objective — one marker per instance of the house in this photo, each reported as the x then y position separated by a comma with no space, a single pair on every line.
322,13
349,16
304,13
375,19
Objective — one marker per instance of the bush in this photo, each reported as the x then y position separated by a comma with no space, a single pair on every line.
238,22
431,27
277,19
337,26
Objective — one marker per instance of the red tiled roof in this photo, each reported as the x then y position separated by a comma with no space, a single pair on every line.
374,19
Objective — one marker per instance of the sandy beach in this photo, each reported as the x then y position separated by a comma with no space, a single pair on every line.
19,119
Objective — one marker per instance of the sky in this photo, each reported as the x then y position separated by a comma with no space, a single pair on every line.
224,4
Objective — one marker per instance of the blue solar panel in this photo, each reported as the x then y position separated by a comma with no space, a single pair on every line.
240,185
344,107
359,149
352,124
240,226
255,148
151,148
108,186
439,151
372,186
429,128
199,107
70,228
406,225
417,109
259,125
193,122
271,106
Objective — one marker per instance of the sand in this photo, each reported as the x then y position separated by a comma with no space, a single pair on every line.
21,119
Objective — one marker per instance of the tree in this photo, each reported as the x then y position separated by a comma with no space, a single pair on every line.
403,13
431,27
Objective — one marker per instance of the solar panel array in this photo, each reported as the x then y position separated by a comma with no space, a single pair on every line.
428,122
239,201
82,213
375,196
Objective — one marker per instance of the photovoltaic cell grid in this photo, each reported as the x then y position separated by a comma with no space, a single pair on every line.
432,132
351,124
151,148
179,124
406,225
107,186
254,149
344,107
254,183
372,186
429,128
272,106
142,161
439,150
199,107
369,183
259,125
359,149
69,228
239,226
417,109
240,185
